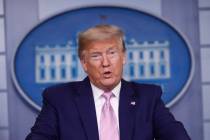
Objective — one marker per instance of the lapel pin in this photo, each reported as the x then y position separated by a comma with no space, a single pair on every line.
133,103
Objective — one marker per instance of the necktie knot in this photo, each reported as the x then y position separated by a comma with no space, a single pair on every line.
107,95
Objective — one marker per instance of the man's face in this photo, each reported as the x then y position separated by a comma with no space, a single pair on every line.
103,62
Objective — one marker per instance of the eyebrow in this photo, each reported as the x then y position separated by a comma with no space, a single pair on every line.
110,48
95,52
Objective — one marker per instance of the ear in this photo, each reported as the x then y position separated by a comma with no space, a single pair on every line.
84,64
124,57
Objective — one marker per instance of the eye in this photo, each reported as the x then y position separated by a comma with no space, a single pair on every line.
112,52
95,56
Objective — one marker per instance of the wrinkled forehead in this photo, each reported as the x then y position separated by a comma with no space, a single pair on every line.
100,43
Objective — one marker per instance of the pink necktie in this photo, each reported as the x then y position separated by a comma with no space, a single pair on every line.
108,122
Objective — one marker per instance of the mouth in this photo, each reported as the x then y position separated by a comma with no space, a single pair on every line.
107,74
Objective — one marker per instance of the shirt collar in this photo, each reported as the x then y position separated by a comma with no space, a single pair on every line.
97,92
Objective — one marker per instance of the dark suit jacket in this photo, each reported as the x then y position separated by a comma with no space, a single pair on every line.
68,113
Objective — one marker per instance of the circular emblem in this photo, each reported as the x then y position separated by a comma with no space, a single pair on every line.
156,52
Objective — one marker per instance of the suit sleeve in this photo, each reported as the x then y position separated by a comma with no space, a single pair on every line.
45,127
166,127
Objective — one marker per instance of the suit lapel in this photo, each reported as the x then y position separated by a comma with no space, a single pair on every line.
86,107
127,107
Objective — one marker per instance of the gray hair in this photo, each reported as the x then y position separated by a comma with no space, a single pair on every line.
99,33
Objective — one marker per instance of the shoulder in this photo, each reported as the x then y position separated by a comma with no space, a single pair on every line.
60,90
146,90
62,87
149,88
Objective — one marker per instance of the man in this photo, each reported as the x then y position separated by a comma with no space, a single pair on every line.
104,106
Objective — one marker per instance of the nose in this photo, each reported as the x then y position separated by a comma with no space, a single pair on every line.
105,61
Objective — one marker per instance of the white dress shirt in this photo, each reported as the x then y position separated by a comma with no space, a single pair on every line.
99,101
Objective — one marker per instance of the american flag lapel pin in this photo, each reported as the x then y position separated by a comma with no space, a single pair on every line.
133,103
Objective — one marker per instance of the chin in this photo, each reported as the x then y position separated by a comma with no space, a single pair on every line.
109,83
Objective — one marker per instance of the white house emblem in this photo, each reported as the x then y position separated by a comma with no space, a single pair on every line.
146,60
155,52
